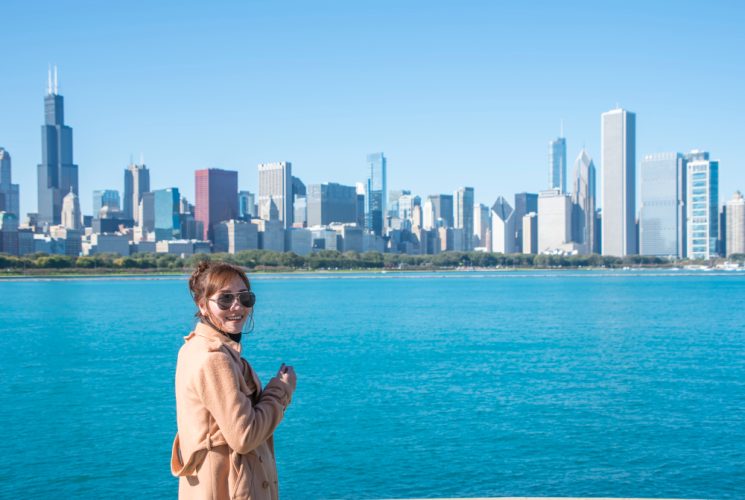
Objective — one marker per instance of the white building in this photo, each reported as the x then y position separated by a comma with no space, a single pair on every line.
554,220
530,233
736,225
502,227
275,191
618,163
71,217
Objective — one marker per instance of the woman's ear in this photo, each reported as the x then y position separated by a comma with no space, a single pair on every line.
203,307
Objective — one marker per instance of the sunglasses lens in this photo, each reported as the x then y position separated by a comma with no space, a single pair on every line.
248,299
225,301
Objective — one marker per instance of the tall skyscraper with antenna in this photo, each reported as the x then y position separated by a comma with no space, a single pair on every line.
57,175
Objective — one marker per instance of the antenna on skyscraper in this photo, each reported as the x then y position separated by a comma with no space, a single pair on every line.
131,159
49,79
55,80
561,128
142,158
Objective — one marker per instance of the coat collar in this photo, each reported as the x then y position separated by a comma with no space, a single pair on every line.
214,338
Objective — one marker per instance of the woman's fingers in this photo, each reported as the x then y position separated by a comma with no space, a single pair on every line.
287,375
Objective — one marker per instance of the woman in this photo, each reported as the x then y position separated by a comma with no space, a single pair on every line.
224,447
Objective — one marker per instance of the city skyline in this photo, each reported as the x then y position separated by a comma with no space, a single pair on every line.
439,106
562,218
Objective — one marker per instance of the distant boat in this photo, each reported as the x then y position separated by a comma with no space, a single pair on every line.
697,267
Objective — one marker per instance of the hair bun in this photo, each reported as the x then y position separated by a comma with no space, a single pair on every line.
196,276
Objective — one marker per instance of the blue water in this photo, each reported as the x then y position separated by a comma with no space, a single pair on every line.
412,385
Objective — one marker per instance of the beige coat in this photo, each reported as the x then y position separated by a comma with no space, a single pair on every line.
224,447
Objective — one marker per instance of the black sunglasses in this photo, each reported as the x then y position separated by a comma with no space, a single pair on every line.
225,300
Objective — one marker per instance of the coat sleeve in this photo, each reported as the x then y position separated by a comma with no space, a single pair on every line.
243,425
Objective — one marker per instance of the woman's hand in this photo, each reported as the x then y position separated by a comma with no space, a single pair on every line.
287,375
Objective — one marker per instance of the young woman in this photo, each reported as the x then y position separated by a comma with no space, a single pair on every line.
224,447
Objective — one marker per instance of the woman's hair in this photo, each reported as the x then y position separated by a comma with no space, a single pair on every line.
209,277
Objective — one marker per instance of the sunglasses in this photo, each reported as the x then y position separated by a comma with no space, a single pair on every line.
226,300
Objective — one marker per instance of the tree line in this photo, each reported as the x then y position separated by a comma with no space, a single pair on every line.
264,260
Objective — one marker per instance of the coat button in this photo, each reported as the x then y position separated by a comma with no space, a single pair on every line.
265,484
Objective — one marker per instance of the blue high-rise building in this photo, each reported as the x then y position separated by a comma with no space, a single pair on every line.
166,223
376,189
557,164
57,174
702,203
246,205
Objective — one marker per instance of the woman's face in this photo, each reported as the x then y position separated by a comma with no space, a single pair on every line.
233,318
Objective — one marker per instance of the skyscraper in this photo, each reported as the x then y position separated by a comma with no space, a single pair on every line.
524,204
375,192
428,214
736,225
136,183
216,198
331,202
70,216
583,203
9,200
246,205
275,191
481,225
702,202
557,164
463,215
166,220
146,213
662,218
502,226
618,158
530,233
57,175
406,204
442,204
554,220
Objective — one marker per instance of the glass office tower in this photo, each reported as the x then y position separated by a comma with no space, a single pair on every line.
557,164
702,205
662,218
375,191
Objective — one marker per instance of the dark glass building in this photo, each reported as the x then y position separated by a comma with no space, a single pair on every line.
57,174
443,206
216,198
524,204
331,202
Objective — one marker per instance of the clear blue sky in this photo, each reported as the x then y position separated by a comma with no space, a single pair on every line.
454,93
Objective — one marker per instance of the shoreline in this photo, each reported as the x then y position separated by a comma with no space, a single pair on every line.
373,273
